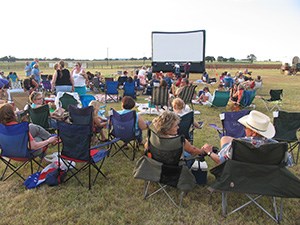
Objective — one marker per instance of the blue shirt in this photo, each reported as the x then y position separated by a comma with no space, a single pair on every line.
27,70
36,73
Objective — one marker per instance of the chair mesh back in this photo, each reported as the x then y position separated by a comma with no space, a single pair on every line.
40,116
275,94
112,87
67,100
221,98
248,97
166,150
185,124
187,93
266,154
231,125
14,140
160,96
286,126
86,99
46,85
75,140
82,116
129,89
123,125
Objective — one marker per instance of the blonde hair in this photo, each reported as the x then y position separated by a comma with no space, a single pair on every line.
96,104
165,121
55,67
34,95
178,104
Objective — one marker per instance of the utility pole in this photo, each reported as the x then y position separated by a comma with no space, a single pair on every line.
107,56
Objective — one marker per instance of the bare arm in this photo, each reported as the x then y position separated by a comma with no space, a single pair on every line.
142,124
53,81
37,145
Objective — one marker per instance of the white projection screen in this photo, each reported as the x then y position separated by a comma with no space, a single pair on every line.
169,48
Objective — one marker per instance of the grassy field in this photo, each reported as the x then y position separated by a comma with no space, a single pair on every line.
119,200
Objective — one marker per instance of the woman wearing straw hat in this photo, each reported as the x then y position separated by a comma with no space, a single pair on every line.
259,130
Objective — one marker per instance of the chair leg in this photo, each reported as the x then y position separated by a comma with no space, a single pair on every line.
224,204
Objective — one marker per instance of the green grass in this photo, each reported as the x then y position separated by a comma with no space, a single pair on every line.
119,199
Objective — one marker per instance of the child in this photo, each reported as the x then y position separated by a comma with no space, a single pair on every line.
98,122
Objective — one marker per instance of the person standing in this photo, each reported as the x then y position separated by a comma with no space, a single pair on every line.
36,73
80,78
62,80
187,68
27,69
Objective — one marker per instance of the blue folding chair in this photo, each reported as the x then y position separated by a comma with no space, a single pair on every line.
129,90
75,147
123,126
15,147
230,125
86,99
111,89
247,98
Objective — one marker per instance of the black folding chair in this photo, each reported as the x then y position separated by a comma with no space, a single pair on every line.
162,165
75,147
287,124
256,172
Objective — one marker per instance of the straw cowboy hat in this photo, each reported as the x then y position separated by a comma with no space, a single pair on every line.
259,123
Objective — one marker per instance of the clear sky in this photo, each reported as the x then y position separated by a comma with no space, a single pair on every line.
95,29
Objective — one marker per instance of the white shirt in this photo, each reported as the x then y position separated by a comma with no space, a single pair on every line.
79,80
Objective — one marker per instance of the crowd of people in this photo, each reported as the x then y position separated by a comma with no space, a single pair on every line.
258,127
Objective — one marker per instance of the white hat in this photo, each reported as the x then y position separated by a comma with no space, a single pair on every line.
259,123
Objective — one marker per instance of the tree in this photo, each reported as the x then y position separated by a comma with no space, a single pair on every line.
231,59
210,59
220,59
251,58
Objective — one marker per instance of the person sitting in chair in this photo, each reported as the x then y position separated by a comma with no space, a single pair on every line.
38,136
166,125
178,106
98,122
259,130
128,104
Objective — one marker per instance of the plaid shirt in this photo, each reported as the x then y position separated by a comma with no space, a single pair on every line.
226,151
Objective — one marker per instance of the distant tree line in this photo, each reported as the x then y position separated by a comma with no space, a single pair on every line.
251,58
14,59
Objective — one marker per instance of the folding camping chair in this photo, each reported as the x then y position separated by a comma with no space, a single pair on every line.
247,98
46,86
15,147
220,98
86,99
111,90
64,99
98,86
75,147
160,97
230,125
186,127
123,126
274,101
256,172
287,124
162,164
41,116
129,90
187,95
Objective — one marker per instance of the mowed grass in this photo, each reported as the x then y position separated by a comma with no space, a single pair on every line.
119,199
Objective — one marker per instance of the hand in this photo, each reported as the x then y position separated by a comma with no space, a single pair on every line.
207,148
52,140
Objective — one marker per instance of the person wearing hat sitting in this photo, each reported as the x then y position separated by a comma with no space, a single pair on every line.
259,130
